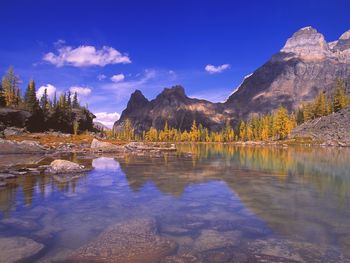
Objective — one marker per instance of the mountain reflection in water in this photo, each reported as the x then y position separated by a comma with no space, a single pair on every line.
298,194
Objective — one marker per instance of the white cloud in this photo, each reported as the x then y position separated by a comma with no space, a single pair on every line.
216,69
84,56
50,91
118,78
150,82
81,91
101,77
106,118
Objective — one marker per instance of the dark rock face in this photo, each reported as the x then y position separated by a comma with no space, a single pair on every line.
15,118
306,65
172,106
331,130
37,122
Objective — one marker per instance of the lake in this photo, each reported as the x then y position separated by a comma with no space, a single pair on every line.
222,203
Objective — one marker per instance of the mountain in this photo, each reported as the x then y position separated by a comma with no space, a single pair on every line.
172,106
306,65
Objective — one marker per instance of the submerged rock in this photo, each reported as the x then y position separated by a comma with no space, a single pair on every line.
22,224
100,146
14,249
64,166
8,147
211,239
134,241
285,250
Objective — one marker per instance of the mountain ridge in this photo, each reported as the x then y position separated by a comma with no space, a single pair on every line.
306,65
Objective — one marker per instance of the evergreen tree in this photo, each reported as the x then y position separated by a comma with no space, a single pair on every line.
2,97
54,100
282,125
194,132
242,131
339,100
30,100
10,84
228,133
75,101
320,106
44,102
69,99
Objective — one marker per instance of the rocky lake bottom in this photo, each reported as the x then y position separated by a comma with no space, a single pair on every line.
222,203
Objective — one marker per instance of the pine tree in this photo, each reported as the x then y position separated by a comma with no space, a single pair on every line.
69,99
44,102
228,133
10,84
320,106
339,101
75,101
282,126
194,132
30,100
2,97
242,131
54,100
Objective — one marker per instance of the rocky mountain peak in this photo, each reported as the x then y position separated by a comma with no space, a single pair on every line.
175,91
307,44
343,42
345,35
137,100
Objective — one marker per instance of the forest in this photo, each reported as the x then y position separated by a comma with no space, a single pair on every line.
63,113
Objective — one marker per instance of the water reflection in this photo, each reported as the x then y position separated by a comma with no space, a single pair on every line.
300,194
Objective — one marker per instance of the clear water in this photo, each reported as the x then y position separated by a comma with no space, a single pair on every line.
287,204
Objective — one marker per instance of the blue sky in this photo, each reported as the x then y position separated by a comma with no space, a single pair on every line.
107,49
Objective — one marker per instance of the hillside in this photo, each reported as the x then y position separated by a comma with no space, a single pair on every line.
333,129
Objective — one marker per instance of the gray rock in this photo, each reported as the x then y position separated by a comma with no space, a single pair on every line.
14,118
134,241
22,224
64,167
280,250
100,146
14,147
11,131
14,249
331,130
211,239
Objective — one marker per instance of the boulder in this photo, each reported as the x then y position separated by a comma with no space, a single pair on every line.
14,117
8,147
11,131
14,249
100,146
134,241
64,167
211,239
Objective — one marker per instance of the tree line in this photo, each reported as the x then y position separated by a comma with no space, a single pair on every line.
276,125
59,114
324,105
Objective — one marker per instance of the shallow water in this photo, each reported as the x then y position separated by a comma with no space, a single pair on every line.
283,204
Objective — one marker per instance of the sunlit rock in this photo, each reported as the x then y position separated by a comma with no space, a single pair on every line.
133,241
14,249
